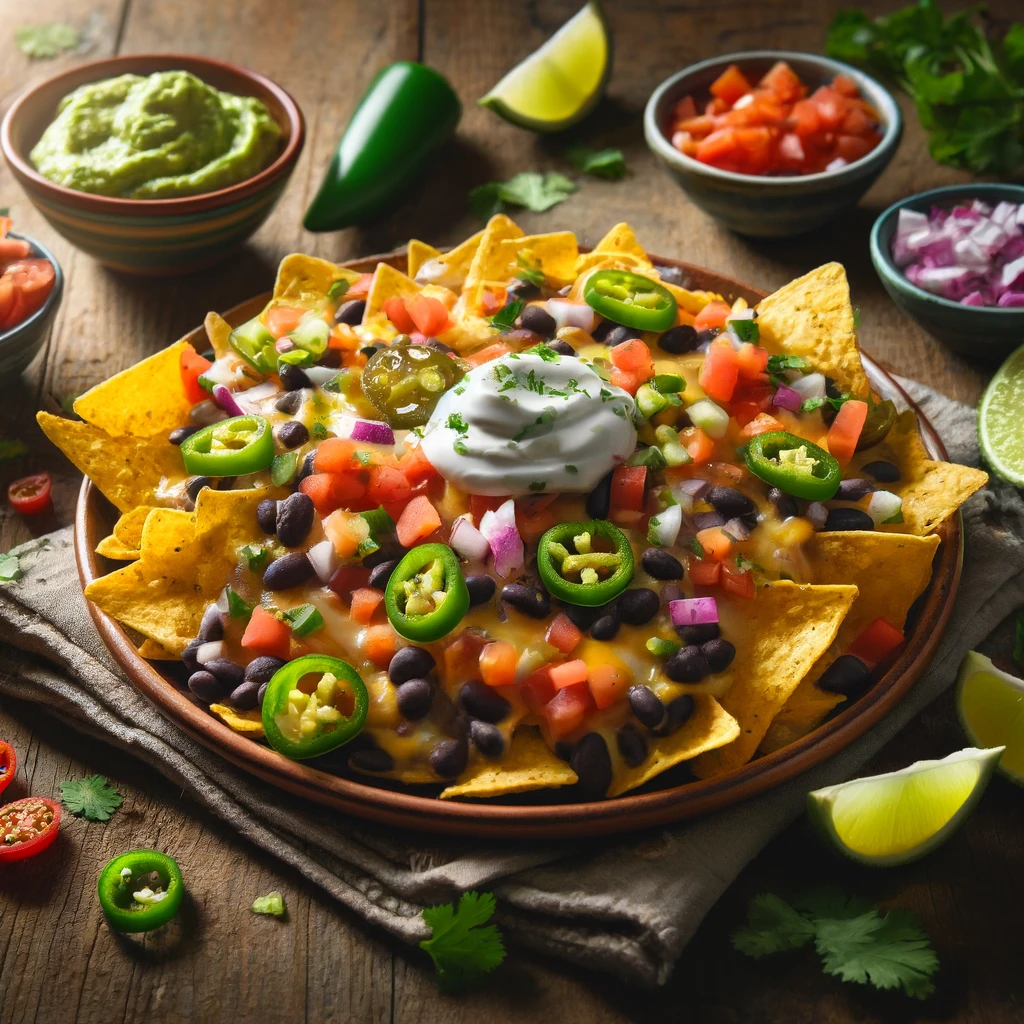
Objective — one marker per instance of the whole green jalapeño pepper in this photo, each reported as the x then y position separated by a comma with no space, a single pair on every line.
426,597
234,447
306,722
794,465
631,300
140,890
408,111
576,570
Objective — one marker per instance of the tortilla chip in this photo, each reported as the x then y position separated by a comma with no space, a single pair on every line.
168,535
249,723
126,469
218,330
691,302
709,727
388,282
588,261
528,764
931,491
499,229
145,400
417,254
111,547
890,571
306,280
554,253
152,651
621,239
128,529
813,317
784,631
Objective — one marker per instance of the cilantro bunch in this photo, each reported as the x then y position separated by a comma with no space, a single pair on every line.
463,946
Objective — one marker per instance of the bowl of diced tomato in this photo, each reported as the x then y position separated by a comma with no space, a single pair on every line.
773,143
31,286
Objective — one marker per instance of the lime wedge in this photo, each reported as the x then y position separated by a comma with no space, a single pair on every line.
1000,427
900,816
990,704
561,82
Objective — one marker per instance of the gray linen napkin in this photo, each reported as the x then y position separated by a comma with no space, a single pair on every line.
626,906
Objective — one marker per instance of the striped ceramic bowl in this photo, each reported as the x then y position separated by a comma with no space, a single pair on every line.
153,236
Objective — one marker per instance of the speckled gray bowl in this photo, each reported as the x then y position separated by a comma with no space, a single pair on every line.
770,207
19,344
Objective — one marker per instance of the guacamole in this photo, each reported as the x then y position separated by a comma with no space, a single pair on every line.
160,136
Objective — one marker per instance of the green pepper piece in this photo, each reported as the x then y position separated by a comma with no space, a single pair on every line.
426,596
125,876
300,724
631,300
255,344
407,113
794,465
234,447
608,572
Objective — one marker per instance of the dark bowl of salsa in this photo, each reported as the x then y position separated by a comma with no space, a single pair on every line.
772,143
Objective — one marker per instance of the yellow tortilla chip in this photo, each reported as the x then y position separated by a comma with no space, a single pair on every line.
306,280
621,239
709,727
890,571
249,723
813,317
145,400
528,764
388,282
167,535
931,491
554,253
417,254
781,634
126,469
152,651
588,261
111,547
499,229
218,330
128,528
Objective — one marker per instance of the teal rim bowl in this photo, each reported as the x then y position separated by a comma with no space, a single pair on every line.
984,333
771,206
20,343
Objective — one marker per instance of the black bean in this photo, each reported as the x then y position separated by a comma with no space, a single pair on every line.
387,553
632,745
262,693
487,738
196,484
599,500
854,489
591,762
179,434
706,520
266,515
371,760
525,290
289,403
294,519
293,434
351,312
481,588
678,340
848,519
293,378
306,469
410,663
529,600
661,564
719,654
212,626
206,686
481,701
847,675
638,606
563,348
699,634
646,705
884,472
581,616
705,337
261,670
687,665
368,350
539,320
605,628
291,570
227,671
414,697
729,502
188,656
381,573
440,346
563,750
677,712
603,329
618,334
245,696
785,504
331,358
448,758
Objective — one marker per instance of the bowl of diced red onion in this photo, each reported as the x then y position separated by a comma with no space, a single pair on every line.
953,260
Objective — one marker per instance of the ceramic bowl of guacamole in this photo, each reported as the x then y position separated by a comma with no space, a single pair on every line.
154,164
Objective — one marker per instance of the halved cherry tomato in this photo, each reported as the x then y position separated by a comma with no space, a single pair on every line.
193,366
8,764
33,280
28,827
30,494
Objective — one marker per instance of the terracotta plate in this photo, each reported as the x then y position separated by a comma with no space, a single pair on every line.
546,814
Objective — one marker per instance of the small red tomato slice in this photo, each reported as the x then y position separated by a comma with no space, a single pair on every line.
33,280
6,300
28,827
395,310
8,764
30,494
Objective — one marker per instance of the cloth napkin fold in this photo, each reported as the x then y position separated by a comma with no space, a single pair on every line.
626,905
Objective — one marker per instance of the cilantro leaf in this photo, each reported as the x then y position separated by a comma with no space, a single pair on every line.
10,569
304,619
457,422
462,948
527,271
601,163
776,364
533,190
747,330
44,41
505,318
238,607
318,431
1018,638
773,926
272,903
92,798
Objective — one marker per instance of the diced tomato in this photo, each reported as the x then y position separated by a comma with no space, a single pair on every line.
419,519
567,709
12,249
537,689
736,582
364,602
266,635
751,361
845,85
568,673
387,485
628,483
534,517
714,314
346,531
347,579
784,82
831,106
805,119
430,315
631,355
762,423
31,494
360,289
684,109
720,371
416,466
193,366
845,431
335,455
485,355
395,310
853,147
280,320
697,443
492,300
32,280
625,379
380,644
608,684
704,573
876,642
462,657
330,491
498,662
716,543
698,127
563,634
6,302
730,85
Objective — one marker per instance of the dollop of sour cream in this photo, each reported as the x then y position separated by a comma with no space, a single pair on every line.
527,424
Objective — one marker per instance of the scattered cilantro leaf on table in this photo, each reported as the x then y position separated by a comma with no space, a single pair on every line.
532,190
773,926
12,448
10,569
272,903
92,798
43,41
463,946
601,163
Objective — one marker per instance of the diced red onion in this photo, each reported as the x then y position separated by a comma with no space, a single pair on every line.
1013,273
787,398
817,514
811,386
284,344
693,611
692,488
1013,299
324,560
467,541
571,314
499,528
226,401
737,529
372,432
974,299
210,651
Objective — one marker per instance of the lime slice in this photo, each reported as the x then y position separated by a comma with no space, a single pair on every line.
558,84
990,704
1000,427
900,816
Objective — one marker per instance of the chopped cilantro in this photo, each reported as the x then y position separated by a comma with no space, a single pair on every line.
571,469
601,163
810,404
537,485
837,403
697,548
776,364
45,41
272,903
462,948
548,354
543,420
318,431
747,330
254,557
606,395
92,798
505,318
534,383
338,290
238,607
10,569
457,423
745,564
304,619
527,270
533,190
459,447
459,389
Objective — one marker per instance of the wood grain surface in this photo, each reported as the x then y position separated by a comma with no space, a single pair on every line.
58,960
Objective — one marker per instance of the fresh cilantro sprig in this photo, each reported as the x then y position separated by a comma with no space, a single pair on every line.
463,946
856,942
92,798
601,163
506,317
532,190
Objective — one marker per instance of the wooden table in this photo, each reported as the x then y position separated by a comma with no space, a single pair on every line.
58,959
